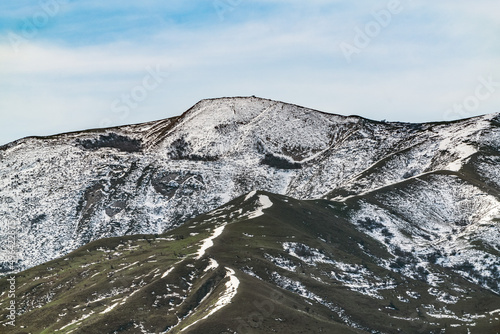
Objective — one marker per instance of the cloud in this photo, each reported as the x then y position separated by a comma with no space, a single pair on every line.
427,59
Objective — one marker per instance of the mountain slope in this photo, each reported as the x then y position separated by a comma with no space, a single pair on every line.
261,263
61,192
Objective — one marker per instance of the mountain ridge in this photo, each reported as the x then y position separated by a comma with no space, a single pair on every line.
174,118
260,263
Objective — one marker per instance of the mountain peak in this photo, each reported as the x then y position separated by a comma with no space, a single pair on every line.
243,109
211,112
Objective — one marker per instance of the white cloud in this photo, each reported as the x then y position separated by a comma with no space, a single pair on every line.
414,70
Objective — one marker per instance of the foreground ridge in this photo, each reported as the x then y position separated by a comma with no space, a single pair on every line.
261,263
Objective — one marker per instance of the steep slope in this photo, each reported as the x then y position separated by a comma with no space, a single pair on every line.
262,263
61,192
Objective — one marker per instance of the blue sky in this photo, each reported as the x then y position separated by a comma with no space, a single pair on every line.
68,65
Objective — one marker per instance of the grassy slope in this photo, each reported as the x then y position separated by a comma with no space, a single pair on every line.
55,294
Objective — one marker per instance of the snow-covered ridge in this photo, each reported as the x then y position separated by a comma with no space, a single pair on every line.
439,218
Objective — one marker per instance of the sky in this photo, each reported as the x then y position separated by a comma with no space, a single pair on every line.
68,65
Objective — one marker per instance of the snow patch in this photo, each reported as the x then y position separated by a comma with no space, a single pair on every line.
227,296
281,262
264,203
109,309
165,274
85,316
208,242
250,195
212,265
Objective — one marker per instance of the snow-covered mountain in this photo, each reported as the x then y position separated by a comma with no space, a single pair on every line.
413,185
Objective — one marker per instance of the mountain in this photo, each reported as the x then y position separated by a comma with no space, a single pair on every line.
262,263
61,192
322,223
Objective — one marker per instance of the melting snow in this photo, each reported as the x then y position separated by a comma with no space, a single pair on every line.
85,316
231,289
264,203
212,265
281,262
307,254
250,195
463,151
208,242
165,274
130,265
110,308
359,279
